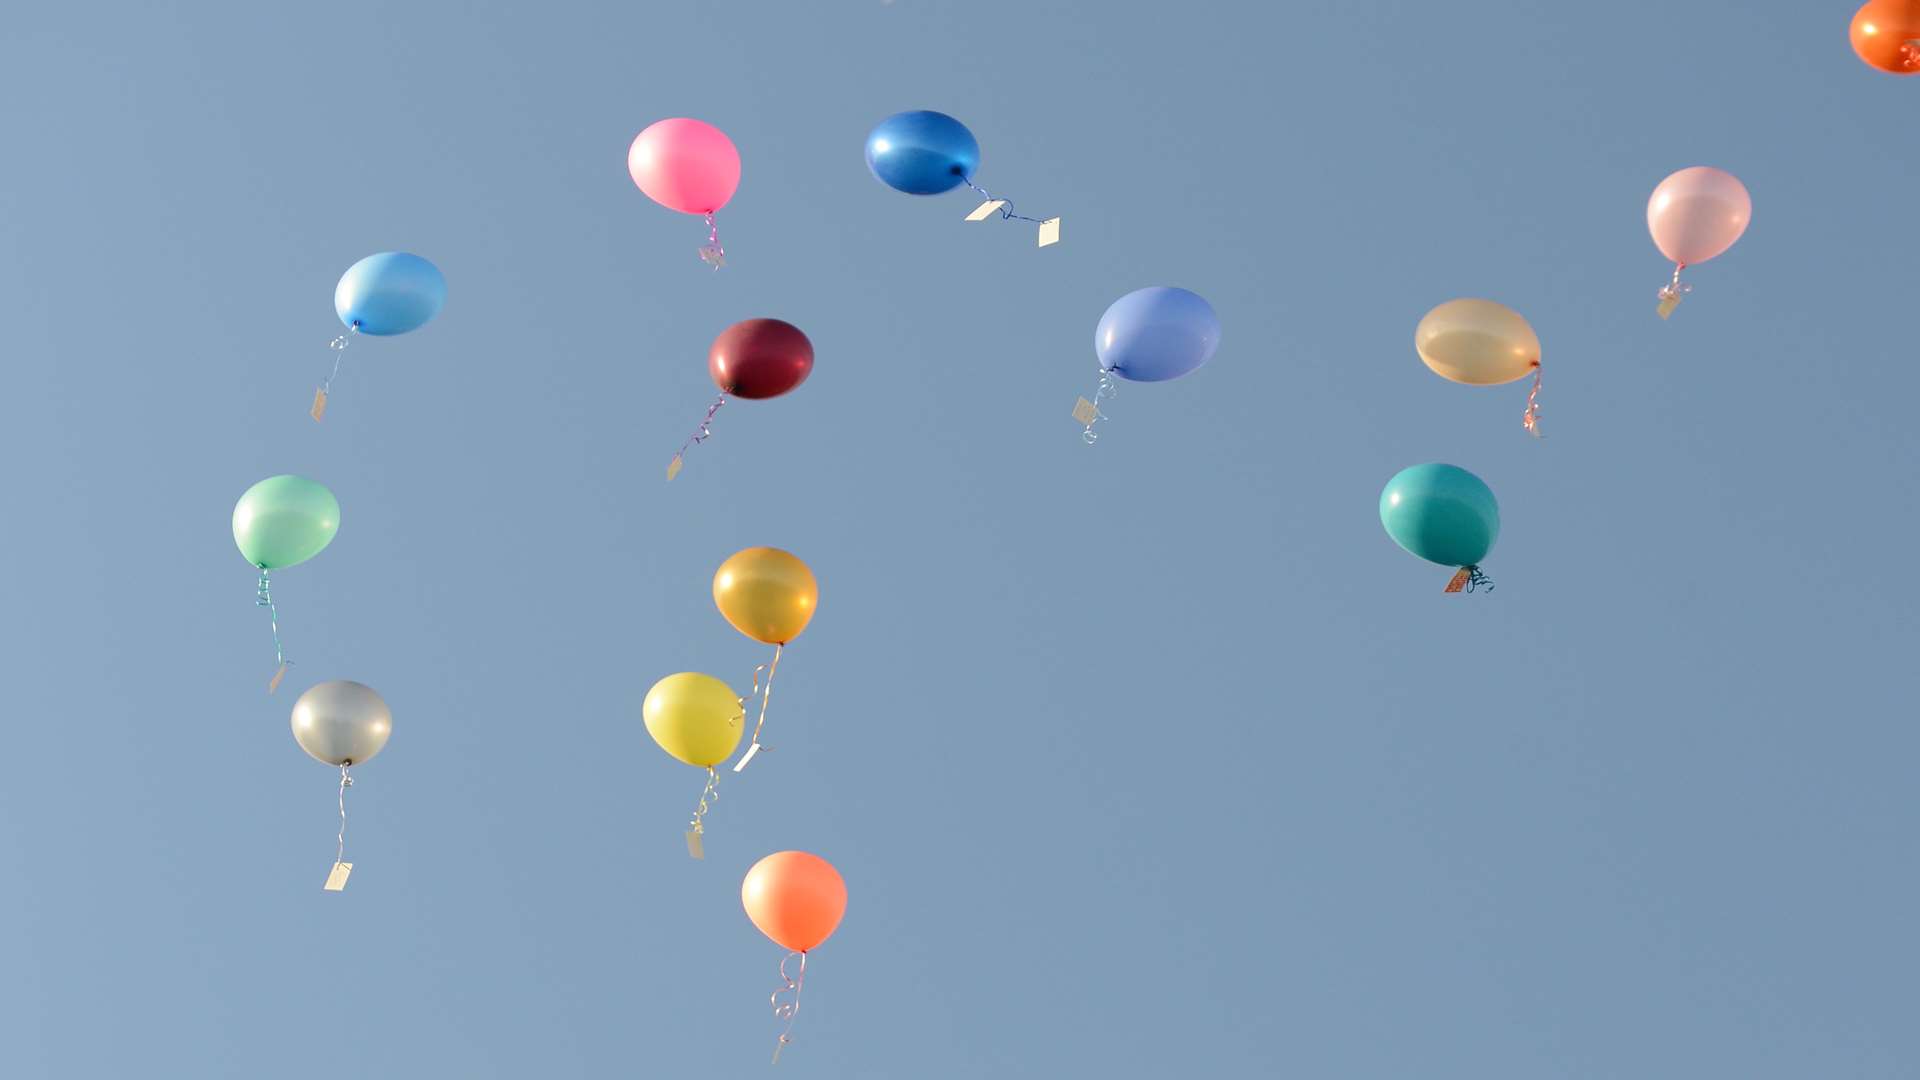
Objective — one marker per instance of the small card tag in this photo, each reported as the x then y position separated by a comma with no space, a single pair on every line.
1050,232
986,209
319,405
1667,304
274,683
1460,579
673,467
742,763
695,846
777,1047
1085,412
337,880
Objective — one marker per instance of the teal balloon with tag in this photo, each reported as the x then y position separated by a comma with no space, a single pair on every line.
1445,515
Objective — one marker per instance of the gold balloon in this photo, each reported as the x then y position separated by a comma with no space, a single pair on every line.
696,718
766,594
1477,342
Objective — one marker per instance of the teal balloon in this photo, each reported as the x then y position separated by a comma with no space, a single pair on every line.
284,521
1442,513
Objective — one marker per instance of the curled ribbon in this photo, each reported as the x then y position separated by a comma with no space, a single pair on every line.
1675,289
712,253
1531,418
346,781
1109,386
1005,209
788,1010
263,597
765,696
710,795
1476,579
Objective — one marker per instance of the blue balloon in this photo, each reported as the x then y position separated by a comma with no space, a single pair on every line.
922,153
1156,333
1442,513
389,293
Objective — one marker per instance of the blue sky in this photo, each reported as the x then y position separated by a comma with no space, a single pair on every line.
1149,757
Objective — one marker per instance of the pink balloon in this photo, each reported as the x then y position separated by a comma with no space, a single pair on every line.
1698,213
685,165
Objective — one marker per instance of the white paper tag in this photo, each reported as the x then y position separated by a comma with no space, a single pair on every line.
337,879
695,846
742,763
319,405
986,209
1050,232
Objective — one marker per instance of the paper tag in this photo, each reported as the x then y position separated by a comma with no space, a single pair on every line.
742,763
1667,304
319,405
777,1047
1460,579
274,683
695,847
1050,232
986,209
1085,412
337,880
673,467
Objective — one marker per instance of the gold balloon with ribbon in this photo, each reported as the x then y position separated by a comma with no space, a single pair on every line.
1482,343
699,720
770,596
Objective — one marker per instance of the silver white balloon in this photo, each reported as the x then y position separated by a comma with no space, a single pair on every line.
342,722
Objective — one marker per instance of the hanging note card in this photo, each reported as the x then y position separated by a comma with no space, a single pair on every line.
337,880
673,467
1668,301
696,845
986,209
319,404
274,683
742,763
1084,412
1050,232
1460,580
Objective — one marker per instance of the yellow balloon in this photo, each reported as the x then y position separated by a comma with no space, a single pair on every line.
1477,342
696,718
766,594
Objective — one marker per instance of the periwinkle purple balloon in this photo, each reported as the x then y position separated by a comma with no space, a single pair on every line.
1157,333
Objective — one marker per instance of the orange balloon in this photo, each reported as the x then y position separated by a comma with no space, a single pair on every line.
1886,34
794,898
767,594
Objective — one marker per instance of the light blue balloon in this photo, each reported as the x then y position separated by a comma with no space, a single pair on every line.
389,293
1442,513
1156,333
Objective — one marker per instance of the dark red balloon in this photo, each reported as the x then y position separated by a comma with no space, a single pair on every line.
760,358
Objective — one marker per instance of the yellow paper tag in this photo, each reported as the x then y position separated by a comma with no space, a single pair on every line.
673,467
1050,232
319,405
1460,579
695,847
986,209
1084,412
274,683
337,880
1667,304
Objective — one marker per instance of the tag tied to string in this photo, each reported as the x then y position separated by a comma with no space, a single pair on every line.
1089,413
1049,233
700,434
1672,292
1469,578
337,877
263,597
789,1009
765,694
339,347
696,834
711,252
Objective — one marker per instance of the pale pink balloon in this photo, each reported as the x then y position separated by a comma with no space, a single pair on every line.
685,165
1698,213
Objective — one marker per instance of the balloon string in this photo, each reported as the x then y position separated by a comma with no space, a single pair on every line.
765,696
346,781
1006,205
264,598
339,347
712,253
704,431
1531,418
710,795
1109,386
788,1010
1476,579
1675,289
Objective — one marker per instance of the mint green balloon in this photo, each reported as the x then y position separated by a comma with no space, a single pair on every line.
284,521
1442,513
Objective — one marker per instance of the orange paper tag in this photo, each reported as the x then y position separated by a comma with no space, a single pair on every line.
1667,304
1050,232
673,467
1460,579
337,878
274,683
1084,412
695,847
319,405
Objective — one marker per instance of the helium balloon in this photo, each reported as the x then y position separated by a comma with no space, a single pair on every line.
1481,343
795,898
342,723
389,293
1445,515
1156,333
1695,214
922,152
766,594
760,358
690,166
284,521
696,718
1886,34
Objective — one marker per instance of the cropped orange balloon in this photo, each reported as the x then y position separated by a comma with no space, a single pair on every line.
794,898
1886,34
767,594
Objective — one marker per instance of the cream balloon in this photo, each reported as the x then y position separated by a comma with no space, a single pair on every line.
342,722
1477,342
